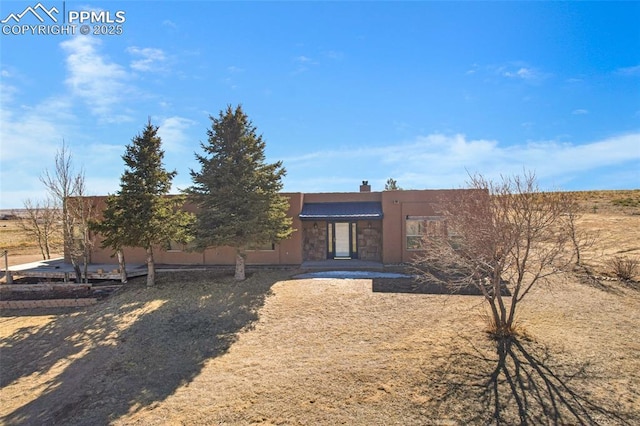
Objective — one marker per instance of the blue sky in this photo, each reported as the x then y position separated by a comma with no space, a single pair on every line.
423,92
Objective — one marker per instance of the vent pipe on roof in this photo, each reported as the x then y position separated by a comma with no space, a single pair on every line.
365,187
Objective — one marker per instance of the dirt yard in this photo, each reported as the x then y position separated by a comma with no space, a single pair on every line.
202,349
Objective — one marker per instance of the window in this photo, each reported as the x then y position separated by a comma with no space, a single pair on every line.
354,240
419,226
174,245
261,247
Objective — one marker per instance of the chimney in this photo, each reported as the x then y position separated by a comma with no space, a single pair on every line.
365,187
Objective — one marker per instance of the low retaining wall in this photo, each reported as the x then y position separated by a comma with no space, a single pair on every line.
44,291
47,303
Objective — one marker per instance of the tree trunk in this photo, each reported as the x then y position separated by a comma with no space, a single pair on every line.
151,268
76,268
85,255
122,266
85,267
240,258
497,291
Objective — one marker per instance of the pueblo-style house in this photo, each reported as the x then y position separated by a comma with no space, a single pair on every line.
384,227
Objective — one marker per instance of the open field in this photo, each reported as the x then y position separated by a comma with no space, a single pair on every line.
202,349
21,248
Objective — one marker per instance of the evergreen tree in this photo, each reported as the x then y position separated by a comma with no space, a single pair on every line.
237,193
391,185
142,214
112,229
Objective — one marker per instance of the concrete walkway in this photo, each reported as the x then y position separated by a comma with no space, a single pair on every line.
342,264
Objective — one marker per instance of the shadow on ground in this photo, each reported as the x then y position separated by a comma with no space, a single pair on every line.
131,351
521,383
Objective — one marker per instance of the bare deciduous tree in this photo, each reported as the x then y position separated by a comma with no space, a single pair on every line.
40,221
82,212
67,188
503,238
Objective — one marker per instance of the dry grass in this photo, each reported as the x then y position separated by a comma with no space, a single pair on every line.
607,202
12,238
21,248
202,349
206,350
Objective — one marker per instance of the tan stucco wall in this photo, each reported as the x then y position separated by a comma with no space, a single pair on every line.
337,197
287,252
396,206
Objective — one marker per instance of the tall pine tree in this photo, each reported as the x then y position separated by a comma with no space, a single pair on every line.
237,193
142,214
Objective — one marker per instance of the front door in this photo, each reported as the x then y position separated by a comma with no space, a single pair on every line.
342,241
343,246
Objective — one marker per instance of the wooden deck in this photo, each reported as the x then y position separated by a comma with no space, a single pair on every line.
58,269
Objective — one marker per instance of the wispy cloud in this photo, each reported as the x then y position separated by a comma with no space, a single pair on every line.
473,69
523,72
303,59
303,63
333,54
580,112
515,71
30,135
99,82
148,59
234,70
231,78
26,130
629,71
170,24
442,161
172,130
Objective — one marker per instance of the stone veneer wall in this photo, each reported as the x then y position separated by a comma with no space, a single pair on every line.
314,243
370,240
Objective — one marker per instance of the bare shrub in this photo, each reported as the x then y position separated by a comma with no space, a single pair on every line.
625,268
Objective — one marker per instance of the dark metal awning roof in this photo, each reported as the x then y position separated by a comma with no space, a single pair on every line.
356,210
